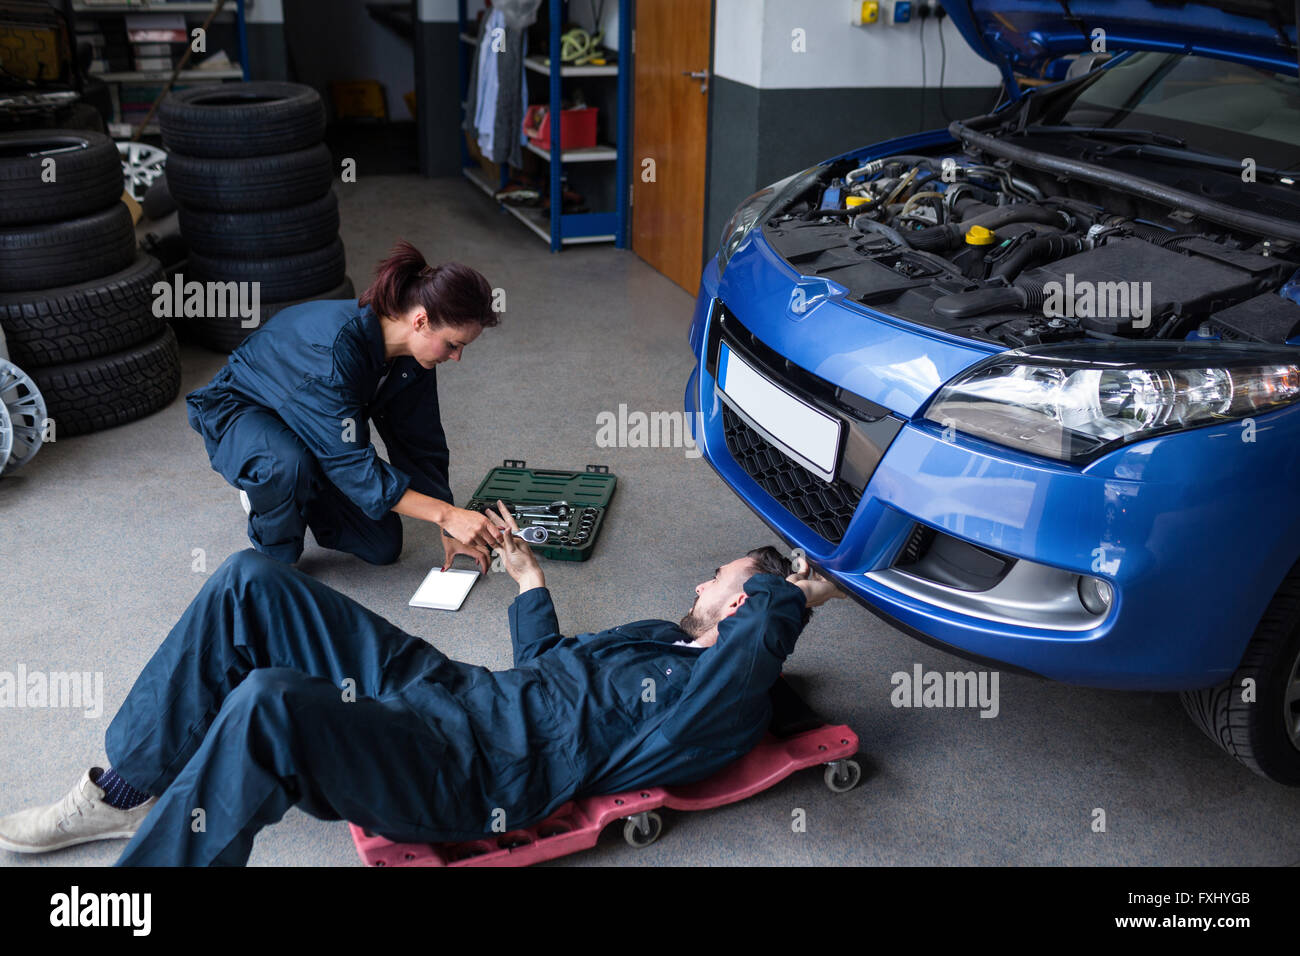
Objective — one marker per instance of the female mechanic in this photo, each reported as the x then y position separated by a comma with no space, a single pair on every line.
285,421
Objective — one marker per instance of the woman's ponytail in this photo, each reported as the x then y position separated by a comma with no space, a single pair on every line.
452,293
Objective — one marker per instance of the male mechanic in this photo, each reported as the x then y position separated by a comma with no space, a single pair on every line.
274,689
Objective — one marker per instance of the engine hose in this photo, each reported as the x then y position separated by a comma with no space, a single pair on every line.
1027,294
1035,252
901,186
1153,234
907,206
1034,291
1005,215
878,164
963,195
871,225
847,213
950,236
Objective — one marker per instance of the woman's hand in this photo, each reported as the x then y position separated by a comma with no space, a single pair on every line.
470,528
451,547
517,558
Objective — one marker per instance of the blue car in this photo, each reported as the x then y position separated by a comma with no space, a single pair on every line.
1029,387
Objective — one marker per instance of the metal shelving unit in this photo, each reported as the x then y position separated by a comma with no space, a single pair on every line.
236,10
556,226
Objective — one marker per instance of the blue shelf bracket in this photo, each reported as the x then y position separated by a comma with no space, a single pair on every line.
242,26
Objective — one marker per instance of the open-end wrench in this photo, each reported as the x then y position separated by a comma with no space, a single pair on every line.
556,509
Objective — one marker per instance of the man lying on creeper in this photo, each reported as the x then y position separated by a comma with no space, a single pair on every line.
274,690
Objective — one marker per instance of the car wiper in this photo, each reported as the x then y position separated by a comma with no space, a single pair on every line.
1107,132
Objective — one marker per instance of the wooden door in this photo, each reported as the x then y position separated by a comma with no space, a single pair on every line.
671,112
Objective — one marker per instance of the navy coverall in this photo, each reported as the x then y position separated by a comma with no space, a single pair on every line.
273,689
286,420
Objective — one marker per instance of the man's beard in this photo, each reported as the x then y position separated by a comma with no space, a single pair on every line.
694,623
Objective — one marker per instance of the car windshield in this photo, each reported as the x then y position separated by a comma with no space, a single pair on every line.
1196,99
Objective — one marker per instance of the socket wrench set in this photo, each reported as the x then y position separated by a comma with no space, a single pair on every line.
559,513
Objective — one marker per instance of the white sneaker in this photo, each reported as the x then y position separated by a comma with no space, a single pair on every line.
243,500
80,817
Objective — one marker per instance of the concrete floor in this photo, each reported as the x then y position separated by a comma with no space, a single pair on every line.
98,535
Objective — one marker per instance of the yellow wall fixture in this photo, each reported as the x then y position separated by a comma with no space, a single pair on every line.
868,12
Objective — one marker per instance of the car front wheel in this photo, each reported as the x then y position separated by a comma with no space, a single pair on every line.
1255,716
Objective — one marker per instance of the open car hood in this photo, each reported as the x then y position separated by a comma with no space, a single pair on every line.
1028,36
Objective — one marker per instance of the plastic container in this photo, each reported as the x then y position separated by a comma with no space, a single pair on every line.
577,127
587,493
358,99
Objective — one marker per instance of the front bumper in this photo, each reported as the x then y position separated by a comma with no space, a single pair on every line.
1178,526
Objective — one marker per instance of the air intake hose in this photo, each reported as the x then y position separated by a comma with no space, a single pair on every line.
1035,252
946,237
1026,294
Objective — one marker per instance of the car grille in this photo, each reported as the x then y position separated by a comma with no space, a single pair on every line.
824,507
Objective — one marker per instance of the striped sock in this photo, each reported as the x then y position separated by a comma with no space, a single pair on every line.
117,792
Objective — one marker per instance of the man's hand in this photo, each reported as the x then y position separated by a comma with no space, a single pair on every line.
516,556
451,547
816,589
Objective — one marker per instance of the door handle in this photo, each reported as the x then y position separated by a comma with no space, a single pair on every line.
701,75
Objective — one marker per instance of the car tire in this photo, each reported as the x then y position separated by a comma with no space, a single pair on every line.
303,275
87,178
82,321
277,181
272,232
1261,733
227,334
110,390
54,254
158,202
242,119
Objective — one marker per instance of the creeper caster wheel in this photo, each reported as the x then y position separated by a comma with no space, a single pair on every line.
842,775
642,829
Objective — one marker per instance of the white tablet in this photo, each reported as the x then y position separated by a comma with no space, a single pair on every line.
444,590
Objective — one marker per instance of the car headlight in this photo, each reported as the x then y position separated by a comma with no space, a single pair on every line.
1075,403
753,208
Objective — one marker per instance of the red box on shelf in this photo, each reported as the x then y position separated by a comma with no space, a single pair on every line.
577,127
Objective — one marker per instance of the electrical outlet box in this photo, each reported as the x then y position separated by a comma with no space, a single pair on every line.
902,11
868,12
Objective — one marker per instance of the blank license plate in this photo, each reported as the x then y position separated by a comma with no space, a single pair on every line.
804,433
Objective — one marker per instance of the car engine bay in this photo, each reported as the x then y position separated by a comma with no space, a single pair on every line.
985,248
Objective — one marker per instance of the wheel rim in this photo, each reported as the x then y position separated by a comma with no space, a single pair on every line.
1291,703
6,436
141,165
26,410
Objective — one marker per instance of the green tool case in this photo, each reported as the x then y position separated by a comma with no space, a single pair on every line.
587,493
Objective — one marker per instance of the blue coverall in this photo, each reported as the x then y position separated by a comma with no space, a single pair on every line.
274,690
286,420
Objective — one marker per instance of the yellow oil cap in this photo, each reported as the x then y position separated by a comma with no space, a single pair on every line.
851,201
979,236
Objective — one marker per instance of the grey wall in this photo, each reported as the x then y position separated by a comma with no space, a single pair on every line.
336,40
266,51
437,86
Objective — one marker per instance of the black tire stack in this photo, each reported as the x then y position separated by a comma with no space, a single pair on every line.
76,293
251,180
